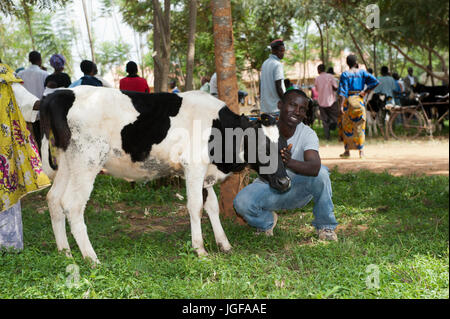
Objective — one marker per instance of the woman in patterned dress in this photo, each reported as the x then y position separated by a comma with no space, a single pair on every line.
352,120
20,165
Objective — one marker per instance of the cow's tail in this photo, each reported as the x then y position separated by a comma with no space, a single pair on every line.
54,126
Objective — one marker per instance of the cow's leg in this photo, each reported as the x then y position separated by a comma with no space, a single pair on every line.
84,163
212,208
56,211
369,123
375,123
76,195
194,190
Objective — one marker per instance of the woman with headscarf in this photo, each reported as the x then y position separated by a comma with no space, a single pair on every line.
20,165
58,78
352,118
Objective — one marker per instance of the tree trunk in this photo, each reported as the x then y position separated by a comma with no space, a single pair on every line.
322,54
304,52
327,56
228,91
430,63
88,31
28,21
375,72
161,45
191,45
355,43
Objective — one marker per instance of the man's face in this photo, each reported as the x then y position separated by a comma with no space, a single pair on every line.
279,52
293,111
410,71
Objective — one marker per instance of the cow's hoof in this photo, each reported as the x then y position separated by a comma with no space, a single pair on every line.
66,252
93,261
225,248
201,252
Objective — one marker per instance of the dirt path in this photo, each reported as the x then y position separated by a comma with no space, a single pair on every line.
398,158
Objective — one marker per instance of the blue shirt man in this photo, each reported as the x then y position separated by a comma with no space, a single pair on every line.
387,84
89,69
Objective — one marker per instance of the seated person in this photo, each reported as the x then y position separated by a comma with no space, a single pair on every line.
90,70
257,202
133,82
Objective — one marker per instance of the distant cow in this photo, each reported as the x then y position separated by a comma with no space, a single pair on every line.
146,136
375,112
433,110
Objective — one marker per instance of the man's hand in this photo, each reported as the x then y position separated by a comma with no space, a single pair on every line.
286,154
362,93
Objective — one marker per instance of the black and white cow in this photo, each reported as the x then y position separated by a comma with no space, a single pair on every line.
146,136
434,111
375,112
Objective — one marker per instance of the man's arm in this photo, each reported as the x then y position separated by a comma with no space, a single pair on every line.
334,84
310,166
279,88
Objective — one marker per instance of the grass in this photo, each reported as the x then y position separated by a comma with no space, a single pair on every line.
142,237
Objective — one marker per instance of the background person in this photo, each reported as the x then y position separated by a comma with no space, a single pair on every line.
326,89
89,70
387,85
410,82
173,87
132,82
272,76
58,78
34,77
205,84
20,164
354,84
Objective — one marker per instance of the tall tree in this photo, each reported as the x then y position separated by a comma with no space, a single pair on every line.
191,45
88,27
227,87
161,45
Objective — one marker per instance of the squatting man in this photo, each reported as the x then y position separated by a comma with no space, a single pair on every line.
258,202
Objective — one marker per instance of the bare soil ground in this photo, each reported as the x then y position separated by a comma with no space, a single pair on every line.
429,157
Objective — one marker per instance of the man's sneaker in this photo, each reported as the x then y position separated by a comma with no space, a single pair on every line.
269,232
327,234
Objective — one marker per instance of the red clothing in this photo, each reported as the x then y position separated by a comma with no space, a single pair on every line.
134,83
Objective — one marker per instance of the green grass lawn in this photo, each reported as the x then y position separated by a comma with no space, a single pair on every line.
142,237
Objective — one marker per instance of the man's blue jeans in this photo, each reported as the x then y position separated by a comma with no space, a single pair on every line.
256,201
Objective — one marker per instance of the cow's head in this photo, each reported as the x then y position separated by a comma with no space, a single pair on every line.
376,102
261,150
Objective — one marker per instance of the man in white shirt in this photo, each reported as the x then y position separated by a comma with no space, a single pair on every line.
34,77
410,81
257,202
272,76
